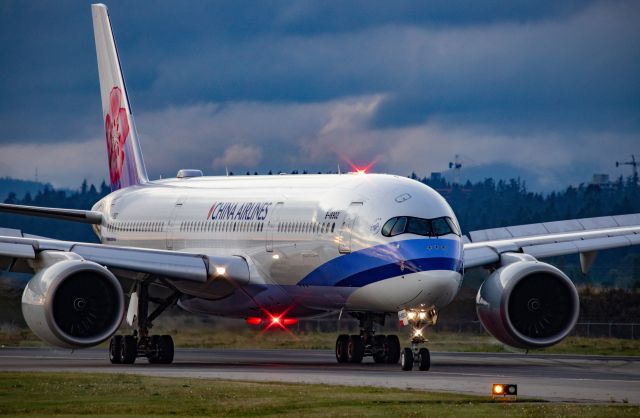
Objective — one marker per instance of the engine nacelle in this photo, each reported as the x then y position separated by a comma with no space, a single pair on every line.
527,303
71,302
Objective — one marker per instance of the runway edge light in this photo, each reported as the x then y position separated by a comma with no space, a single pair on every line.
504,391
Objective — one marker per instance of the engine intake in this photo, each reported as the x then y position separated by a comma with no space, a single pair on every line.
71,302
527,303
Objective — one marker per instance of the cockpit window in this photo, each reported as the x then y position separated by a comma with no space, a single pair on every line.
419,226
386,229
399,226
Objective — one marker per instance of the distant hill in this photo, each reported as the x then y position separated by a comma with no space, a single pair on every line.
19,187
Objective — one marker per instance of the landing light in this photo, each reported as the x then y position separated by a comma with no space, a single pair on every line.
221,271
276,256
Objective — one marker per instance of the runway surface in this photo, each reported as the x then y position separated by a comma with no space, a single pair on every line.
551,377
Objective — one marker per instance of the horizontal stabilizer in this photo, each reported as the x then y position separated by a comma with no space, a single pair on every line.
75,215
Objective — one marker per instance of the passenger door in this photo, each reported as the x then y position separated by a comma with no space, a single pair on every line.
173,224
346,230
272,224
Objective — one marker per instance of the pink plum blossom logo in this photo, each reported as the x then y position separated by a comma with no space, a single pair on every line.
117,129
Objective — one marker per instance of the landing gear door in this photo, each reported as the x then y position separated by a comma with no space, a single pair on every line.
272,224
346,230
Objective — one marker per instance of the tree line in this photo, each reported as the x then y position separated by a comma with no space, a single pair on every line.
481,205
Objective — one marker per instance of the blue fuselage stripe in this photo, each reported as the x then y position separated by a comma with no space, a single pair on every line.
387,260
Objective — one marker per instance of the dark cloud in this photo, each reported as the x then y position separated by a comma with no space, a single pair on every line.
378,72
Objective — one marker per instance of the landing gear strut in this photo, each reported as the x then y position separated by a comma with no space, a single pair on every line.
353,348
419,319
158,349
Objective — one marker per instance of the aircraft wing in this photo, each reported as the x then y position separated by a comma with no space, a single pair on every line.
176,265
75,215
584,236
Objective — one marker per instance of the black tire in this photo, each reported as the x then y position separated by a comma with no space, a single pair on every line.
128,350
166,349
154,346
406,360
115,346
379,349
393,349
355,349
341,348
424,359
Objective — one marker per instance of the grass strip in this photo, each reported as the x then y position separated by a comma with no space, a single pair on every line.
106,395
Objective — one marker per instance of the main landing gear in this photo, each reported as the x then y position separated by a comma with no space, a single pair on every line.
419,319
158,349
353,348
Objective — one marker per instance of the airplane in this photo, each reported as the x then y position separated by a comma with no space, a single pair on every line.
273,249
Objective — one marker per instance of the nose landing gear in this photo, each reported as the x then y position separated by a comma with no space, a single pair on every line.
419,319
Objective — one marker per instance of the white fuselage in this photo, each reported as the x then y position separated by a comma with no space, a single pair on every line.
313,242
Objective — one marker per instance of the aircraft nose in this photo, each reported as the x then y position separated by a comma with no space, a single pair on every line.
435,287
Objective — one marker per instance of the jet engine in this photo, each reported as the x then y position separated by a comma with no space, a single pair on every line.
71,302
527,303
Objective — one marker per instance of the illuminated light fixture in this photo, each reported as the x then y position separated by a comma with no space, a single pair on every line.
504,391
361,170
417,333
411,315
254,320
220,271
276,256
422,315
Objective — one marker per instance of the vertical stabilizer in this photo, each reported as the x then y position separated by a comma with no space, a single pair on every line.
126,166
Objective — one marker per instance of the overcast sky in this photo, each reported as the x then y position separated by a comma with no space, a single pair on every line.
545,90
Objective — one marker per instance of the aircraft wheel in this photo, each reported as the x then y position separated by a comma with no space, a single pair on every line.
115,345
424,359
406,359
393,349
341,348
154,355
165,349
355,349
128,350
380,349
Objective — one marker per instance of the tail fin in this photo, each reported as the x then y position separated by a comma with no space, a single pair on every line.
126,166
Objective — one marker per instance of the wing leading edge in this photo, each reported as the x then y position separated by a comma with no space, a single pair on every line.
584,236
75,215
170,264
